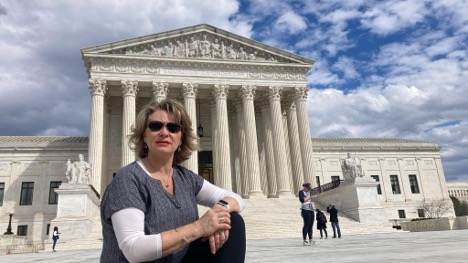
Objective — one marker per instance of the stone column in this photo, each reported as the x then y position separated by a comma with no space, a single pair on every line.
295,145
242,150
288,151
233,142
261,147
223,180
281,164
129,91
98,89
214,138
160,90
189,92
247,94
269,149
304,134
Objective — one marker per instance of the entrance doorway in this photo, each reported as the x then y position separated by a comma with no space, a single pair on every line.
205,165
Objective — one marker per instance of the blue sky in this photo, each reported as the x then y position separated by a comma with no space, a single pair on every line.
393,69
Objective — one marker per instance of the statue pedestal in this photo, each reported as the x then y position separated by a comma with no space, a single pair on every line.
359,200
77,211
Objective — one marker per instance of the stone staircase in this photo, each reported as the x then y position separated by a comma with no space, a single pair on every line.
265,218
268,218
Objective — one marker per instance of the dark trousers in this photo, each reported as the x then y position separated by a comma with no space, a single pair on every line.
233,251
55,242
336,228
325,230
308,217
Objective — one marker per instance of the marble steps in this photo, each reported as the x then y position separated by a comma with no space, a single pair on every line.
265,218
280,218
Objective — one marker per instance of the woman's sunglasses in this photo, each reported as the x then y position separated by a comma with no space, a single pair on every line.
172,127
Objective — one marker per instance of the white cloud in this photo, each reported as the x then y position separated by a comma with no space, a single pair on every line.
346,65
291,22
391,16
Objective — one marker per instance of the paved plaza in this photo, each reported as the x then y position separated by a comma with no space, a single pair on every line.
435,246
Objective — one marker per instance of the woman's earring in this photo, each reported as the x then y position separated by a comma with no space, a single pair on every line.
145,146
178,148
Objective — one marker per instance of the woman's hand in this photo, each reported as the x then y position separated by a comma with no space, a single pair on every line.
217,240
216,223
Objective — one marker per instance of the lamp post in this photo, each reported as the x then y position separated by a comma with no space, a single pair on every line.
8,232
200,128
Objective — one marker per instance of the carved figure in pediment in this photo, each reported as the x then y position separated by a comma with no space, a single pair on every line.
154,51
216,49
179,50
78,171
168,50
205,46
151,51
192,48
223,50
242,55
230,52
253,56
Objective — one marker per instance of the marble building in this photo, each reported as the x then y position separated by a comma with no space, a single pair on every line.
248,102
458,190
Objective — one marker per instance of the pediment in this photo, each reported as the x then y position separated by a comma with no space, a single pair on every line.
198,42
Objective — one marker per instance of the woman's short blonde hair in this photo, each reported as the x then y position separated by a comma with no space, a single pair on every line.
177,111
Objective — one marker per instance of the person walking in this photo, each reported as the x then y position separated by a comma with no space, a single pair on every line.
321,223
334,220
307,212
55,237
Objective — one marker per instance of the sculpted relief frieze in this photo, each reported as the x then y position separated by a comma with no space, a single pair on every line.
107,67
200,45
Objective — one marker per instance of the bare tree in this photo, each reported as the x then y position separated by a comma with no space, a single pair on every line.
435,208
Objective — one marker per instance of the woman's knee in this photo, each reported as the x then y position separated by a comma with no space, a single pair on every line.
237,222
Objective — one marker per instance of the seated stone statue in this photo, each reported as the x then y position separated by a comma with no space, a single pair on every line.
78,171
351,167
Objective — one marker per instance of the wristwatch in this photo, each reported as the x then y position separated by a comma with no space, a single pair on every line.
223,203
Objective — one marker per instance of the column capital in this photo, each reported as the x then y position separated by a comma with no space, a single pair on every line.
189,90
301,92
129,87
274,92
160,89
97,86
220,91
247,92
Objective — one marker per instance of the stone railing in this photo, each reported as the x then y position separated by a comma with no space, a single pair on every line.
326,187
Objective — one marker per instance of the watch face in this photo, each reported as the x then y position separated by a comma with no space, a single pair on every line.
223,203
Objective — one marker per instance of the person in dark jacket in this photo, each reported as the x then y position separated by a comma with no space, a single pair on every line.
321,223
334,220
